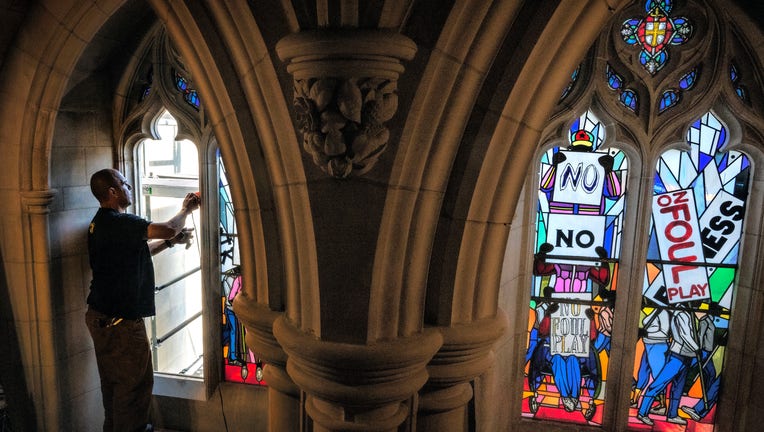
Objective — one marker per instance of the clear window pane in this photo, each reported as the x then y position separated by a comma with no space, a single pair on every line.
167,171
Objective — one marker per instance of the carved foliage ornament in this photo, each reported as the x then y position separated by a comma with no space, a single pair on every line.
342,121
345,89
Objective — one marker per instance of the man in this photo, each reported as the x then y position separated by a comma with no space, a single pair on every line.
712,380
682,351
655,333
122,294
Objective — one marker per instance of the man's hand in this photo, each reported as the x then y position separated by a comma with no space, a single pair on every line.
185,236
191,202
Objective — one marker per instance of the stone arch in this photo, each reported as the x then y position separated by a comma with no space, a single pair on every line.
258,182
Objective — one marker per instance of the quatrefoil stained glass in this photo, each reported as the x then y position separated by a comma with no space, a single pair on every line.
655,32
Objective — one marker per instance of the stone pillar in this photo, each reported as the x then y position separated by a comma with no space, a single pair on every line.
284,406
466,353
41,364
345,89
357,387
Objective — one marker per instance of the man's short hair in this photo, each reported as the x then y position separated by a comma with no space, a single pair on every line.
101,181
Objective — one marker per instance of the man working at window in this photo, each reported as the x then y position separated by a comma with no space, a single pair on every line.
122,294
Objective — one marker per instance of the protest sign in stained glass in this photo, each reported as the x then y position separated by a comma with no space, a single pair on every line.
578,239
698,208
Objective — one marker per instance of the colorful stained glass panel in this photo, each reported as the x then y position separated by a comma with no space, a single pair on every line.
577,250
699,201
240,364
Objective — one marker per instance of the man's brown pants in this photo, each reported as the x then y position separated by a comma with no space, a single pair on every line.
124,365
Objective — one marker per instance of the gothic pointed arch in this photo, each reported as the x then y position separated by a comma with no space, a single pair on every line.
666,76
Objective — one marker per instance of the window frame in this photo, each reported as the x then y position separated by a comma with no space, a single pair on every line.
175,385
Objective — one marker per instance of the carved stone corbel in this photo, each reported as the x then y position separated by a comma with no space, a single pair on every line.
345,89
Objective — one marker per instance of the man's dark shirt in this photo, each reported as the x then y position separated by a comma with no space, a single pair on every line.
123,272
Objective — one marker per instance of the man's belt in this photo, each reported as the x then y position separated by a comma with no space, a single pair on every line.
111,322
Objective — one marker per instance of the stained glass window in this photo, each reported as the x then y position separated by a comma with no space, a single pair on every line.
577,249
668,100
627,96
671,97
146,89
739,88
654,33
629,99
189,95
698,208
240,363
688,80
571,83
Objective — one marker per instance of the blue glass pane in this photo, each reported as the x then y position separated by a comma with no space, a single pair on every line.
741,93
688,80
192,98
629,99
668,100
180,82
614,81
571,83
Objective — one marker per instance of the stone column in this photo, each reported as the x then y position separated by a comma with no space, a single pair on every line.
41,365
466,353
284,406
357,387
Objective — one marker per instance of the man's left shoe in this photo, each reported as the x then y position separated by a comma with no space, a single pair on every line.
645,419
691,412
569,403
677,420
658,410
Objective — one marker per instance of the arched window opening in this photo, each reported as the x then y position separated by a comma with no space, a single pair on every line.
196,337
168,169
698,210
678,100
579,220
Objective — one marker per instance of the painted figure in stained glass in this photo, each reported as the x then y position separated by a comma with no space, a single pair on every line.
578,231
697,218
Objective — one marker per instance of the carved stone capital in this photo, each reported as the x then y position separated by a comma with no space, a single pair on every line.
258,320
345,89
349,384
37,201
467,351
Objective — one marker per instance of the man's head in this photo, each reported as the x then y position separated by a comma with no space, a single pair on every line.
111,189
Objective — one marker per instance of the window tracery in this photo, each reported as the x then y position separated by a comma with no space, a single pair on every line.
687,117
